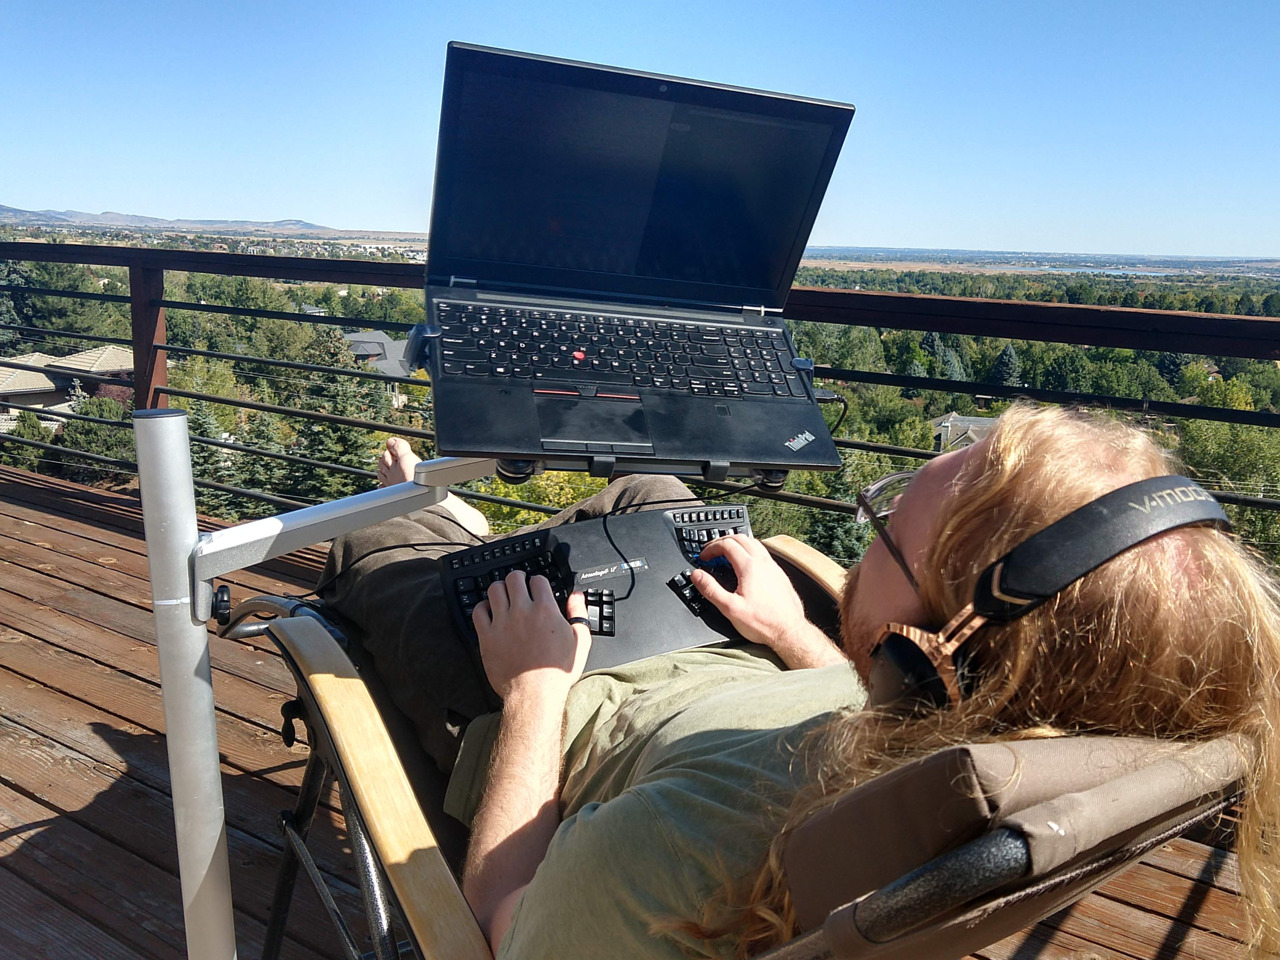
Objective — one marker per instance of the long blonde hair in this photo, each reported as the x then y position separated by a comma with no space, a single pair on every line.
1176,638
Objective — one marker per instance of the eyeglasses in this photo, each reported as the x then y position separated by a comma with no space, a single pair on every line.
876,503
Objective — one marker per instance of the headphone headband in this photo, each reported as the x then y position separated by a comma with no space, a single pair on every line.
922,666
1048,562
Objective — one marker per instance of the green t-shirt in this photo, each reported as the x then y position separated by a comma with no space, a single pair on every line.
678,772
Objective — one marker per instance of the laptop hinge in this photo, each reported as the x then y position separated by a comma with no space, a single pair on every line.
761,311
461,281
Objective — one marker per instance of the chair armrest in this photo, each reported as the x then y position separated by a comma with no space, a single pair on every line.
817,566
375,783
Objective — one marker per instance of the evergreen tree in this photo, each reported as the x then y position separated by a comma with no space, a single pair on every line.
1169,365
1247,306
210,463
103,439
1008,369
262,431
336,443
1271,305
952,367
932,344
839,535
20,455
915,370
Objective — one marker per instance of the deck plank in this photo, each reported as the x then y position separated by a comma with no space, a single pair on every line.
259,664
139,819
37,927
138,751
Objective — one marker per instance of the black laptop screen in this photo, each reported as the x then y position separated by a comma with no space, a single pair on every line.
567,177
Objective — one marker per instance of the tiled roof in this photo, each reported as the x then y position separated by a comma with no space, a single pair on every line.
105,359
33,359
26,381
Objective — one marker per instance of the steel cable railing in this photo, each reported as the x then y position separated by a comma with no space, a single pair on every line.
1190,411
1150,407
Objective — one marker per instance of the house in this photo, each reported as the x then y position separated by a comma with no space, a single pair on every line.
385,355
50,386
952,431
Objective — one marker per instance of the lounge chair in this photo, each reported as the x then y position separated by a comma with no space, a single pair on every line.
932,861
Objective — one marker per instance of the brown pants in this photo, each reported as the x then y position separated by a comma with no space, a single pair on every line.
384,584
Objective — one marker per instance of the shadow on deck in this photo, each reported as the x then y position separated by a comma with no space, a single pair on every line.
87,856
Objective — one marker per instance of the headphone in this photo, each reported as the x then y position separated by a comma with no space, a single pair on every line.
915,668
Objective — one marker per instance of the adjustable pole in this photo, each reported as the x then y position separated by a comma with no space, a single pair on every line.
169,523
183,565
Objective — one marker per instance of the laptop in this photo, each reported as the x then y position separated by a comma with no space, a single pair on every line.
610,254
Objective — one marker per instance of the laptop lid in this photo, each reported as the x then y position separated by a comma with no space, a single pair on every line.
567,178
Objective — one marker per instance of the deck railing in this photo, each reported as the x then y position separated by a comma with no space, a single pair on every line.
1084,325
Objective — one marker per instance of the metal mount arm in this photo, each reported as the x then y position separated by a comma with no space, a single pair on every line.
246,544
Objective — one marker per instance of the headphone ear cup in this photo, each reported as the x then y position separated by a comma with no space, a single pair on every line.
902,676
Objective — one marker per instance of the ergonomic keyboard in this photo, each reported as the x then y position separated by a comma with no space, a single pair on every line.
614,350
632,568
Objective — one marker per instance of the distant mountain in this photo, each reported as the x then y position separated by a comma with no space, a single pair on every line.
76,218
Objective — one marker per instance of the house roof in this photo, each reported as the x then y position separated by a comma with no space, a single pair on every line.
105,359
380,351
961,430
27,381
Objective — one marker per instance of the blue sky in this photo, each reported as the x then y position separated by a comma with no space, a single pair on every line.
1108,127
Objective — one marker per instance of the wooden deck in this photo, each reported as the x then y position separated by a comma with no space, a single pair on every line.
87,855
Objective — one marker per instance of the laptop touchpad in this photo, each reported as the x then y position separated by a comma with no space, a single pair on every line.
594,420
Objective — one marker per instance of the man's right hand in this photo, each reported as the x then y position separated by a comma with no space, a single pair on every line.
526,642
765,608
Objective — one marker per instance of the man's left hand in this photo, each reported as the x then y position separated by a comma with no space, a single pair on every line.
765,608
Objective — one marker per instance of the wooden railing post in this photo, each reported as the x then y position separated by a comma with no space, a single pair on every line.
146,289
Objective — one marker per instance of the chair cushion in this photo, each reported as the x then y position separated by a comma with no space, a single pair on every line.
897,822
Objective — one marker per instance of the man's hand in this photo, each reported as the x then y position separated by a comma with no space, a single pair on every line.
526,643
765,608
532,655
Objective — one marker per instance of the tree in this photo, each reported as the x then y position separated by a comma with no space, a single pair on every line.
1008,368
932,344
554,488
20,455
839,535
1271,305
15,308
1169,365
262,431
916,369
214,377
337,443
211,463
952,367
1242,458
1081,292
1069,370
1247,306
103,439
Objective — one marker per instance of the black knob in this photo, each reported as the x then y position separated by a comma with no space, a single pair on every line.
222,605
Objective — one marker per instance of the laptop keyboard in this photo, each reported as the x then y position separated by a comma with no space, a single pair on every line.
593,354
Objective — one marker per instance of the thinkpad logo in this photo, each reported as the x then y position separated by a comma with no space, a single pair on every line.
800,440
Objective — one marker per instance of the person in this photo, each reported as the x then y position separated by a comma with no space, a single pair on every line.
642,811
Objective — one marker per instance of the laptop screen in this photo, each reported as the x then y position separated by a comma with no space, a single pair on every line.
567,177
